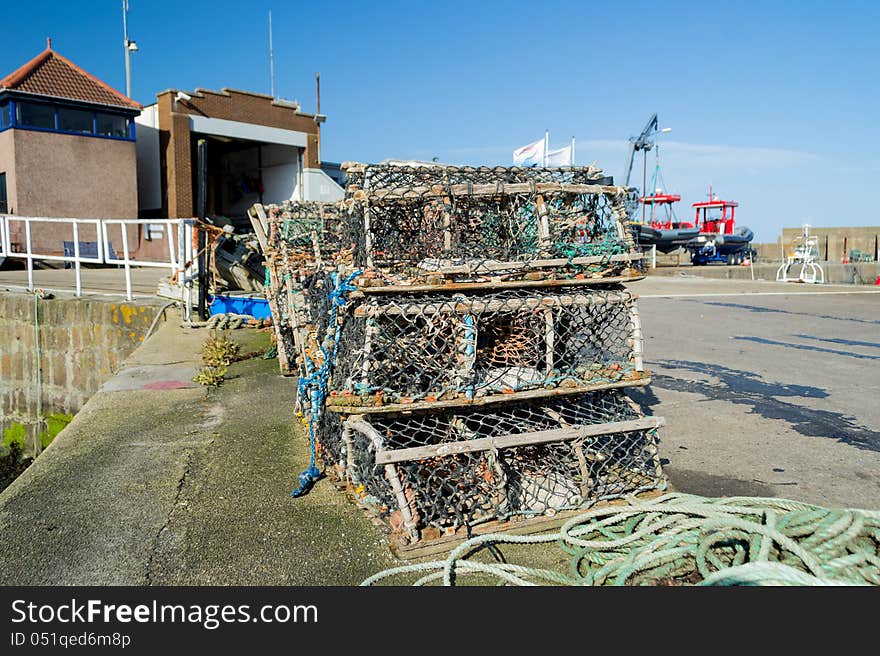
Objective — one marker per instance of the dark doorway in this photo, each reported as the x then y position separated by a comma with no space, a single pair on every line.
4,205
242,172
234,180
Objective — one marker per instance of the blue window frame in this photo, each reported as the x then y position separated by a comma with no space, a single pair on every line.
111,125
4,208
65,119
76,120
35,115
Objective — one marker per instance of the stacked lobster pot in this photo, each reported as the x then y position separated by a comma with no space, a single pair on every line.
301,241
473,338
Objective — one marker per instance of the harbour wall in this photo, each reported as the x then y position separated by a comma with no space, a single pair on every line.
56,352
863,273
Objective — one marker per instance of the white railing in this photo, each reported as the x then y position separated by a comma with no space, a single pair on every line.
180,258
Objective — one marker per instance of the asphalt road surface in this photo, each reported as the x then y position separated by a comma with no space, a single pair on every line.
767,389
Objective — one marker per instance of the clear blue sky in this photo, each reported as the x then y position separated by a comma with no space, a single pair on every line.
775,104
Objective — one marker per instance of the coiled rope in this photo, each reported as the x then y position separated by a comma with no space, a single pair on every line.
223,321
686,539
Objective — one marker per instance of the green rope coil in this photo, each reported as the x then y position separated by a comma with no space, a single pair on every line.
679,539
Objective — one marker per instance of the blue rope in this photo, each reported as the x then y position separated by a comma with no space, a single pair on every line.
314,386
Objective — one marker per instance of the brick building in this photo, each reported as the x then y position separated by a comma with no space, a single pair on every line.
259,149
67,146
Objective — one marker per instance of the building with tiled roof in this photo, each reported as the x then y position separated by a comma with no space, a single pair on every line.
51,75
67,143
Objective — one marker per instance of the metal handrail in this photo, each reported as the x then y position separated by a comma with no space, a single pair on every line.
180,254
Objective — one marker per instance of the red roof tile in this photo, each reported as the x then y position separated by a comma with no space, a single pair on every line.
50,74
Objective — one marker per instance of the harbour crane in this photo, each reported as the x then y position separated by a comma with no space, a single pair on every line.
643,143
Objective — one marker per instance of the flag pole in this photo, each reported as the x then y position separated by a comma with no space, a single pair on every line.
572,151
546,146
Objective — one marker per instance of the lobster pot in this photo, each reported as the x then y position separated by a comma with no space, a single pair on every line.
396,350
429,227
303,239
429,474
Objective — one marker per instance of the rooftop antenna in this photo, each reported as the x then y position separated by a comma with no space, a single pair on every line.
317,93
271,57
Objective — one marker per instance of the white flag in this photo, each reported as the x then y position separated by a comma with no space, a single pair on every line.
533,153
561,157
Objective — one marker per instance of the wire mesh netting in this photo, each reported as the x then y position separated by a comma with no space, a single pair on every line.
428,473
504,236
425,348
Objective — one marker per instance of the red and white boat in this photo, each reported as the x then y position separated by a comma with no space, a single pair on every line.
719,240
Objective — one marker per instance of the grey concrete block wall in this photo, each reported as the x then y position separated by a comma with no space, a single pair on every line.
864,273
82,343
831,243
836,242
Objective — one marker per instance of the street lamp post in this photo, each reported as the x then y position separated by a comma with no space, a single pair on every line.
129,46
